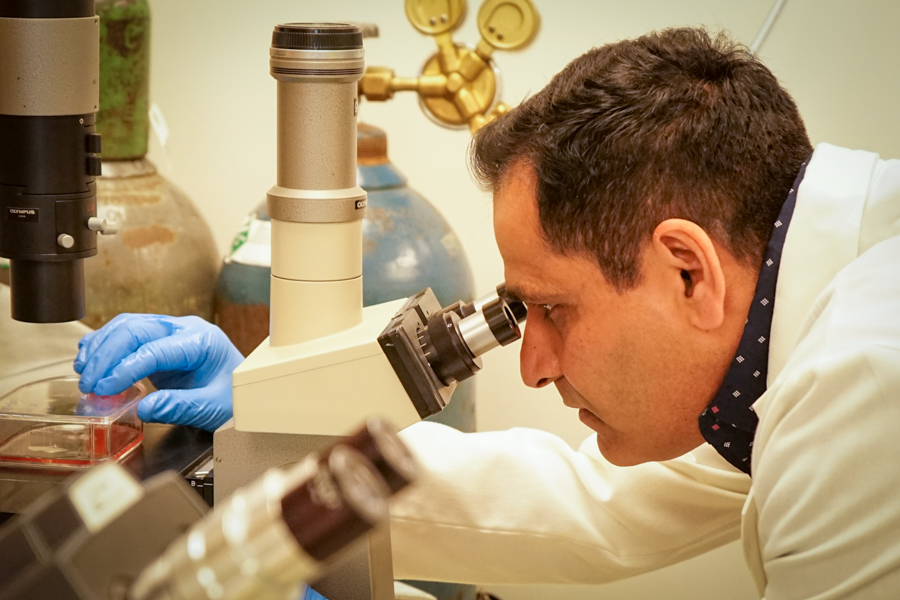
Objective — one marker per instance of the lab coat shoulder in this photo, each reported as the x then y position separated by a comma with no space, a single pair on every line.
521,506
822,521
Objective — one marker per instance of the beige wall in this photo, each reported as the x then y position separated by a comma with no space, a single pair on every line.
210,78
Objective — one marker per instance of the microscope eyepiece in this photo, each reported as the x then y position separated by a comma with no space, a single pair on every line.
502,322
519,311
267,537
432,348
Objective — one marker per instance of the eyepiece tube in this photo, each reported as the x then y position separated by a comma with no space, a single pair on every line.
519,312
517,307
342,502
316,206
494,325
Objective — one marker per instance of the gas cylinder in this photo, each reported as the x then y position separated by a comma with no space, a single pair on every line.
163,258
407,246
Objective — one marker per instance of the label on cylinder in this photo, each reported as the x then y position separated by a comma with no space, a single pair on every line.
253,244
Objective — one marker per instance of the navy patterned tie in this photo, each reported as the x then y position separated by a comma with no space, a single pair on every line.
729,423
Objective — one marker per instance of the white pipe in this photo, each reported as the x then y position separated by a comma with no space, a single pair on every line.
767,26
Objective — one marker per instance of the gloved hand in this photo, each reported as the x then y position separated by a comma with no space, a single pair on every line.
189,360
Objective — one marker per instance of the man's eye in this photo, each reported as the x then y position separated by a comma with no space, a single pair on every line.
550,310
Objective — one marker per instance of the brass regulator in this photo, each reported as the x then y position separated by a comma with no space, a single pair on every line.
459,85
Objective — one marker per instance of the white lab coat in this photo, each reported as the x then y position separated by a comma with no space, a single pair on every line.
821,516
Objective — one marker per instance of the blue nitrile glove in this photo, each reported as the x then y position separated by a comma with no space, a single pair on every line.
312,594
189,360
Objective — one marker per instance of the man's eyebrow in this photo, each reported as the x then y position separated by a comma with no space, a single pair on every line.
531,296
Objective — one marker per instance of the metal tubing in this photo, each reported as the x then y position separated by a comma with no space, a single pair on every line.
772,17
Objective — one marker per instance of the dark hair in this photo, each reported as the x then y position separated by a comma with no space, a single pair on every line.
672,124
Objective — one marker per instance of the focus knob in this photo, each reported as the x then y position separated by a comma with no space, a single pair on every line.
102,226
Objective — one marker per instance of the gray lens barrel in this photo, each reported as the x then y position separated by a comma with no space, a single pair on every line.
49,67
317,67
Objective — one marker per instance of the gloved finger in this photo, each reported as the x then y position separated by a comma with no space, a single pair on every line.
122,339
99,333
92,340
177,352
92,405
84,407
312,594
200,408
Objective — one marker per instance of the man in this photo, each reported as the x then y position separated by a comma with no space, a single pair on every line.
718,301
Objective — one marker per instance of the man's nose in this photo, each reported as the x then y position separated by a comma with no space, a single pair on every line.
539,358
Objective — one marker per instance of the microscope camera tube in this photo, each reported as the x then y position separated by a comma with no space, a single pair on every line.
316,206
49,92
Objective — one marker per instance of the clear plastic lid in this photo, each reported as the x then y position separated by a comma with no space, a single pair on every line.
50,424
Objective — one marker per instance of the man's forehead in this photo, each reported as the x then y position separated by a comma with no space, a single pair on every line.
518,180
535,272
515,206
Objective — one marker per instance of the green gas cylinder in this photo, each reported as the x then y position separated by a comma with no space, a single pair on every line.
163,258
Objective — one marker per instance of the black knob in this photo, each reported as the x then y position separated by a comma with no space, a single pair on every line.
92,143
93,166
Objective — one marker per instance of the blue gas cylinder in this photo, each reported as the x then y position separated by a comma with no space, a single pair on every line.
407,246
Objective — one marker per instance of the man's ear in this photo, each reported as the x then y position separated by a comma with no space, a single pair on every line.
691,263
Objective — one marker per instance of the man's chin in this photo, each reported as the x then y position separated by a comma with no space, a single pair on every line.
622,454
615,452
591,420
618,456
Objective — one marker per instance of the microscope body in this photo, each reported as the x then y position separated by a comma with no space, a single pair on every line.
317,323
329,362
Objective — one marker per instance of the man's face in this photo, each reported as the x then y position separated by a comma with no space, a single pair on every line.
637,372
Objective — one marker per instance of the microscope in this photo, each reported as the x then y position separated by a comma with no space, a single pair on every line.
49,154
329,362
106,536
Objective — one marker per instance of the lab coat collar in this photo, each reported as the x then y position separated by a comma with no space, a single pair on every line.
822,240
